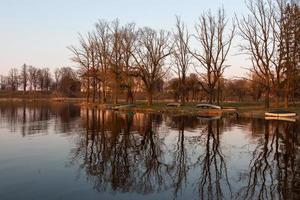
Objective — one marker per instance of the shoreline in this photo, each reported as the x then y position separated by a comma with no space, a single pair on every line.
244,109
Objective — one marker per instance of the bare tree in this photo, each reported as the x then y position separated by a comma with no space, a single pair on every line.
41,80
93,73
68,82
116,57
24,77
289,44
181,56
57,77
103,48
33,78
255,87
47,78
127,46
258,29
214,45
81,56
13,79
150,52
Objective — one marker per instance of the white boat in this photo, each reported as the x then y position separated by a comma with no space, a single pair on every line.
208,118
124,106
174,104
289,119
280,114
208,106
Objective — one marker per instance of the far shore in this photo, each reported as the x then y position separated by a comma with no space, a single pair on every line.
238,109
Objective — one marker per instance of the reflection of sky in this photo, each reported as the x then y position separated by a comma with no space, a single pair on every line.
38,32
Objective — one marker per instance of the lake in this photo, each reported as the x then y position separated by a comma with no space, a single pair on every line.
64,151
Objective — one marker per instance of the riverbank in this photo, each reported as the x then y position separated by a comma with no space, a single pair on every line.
49,99
243,109
246,109
163,108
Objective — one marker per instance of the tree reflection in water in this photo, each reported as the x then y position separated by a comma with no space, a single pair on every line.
190,158
180,157
273,173
213,177
186,156
149,153
128,157
33,117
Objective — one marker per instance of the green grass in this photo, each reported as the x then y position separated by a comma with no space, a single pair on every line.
243,108
249,109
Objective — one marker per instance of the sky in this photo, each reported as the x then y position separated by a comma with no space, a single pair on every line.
38,32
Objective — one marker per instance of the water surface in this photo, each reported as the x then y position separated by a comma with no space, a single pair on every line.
63,151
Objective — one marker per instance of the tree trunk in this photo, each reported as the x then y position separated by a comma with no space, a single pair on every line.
129,96
218,93
287,93
150,96
94,90
267,98
88,90
99,93
183,91
104,92
182,99
286,100
210,96
116,88
277,99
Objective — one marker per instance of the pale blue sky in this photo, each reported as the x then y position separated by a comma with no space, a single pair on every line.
37,32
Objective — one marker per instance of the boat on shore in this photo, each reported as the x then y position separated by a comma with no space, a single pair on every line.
208,118
124,106
288,119
280,113
208,106
174,104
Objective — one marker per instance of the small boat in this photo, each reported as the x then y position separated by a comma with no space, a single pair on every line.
124,106
208,106
288,119
174,104
280,113
208,118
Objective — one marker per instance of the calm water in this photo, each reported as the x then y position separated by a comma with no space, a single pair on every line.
62,151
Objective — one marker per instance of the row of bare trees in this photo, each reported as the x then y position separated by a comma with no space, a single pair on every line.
270,33
32,79
27,78
237,90
118,61
115,57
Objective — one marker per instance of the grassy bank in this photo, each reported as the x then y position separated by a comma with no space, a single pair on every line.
161,107
254,109
244,109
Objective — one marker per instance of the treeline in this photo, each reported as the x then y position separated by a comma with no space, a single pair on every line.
119,61
33,79
114,56
235,90
118,56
